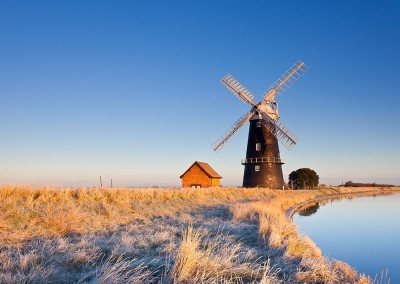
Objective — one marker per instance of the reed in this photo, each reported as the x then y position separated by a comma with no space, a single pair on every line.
201,259
29,212
123,235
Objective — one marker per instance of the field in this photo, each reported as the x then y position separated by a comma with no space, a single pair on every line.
121,235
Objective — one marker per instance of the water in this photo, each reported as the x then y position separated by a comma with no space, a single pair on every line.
363,232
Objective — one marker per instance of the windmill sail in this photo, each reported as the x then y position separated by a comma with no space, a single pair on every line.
285,81
268,107
284,135
228,134
237,89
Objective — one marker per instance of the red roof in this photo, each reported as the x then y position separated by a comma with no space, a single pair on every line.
206,168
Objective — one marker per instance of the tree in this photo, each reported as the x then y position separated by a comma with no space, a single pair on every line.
349,183
303,178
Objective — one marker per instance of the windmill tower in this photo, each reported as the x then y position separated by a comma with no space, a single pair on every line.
263,164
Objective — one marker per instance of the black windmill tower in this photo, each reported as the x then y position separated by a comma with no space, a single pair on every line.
263,164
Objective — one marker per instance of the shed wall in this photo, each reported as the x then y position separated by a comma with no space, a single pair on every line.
215,182
196,176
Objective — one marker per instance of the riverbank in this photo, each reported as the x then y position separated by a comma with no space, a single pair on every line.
364,192
348,229
277,231
229,235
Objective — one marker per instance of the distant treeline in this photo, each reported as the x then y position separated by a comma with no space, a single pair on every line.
359,184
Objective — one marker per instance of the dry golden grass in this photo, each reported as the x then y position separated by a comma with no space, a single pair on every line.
28,212
200,260
195,263
90,230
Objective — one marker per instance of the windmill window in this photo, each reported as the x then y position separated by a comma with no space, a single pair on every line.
258,123
257,168
258,146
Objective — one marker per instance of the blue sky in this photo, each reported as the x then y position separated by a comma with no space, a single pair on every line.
130,90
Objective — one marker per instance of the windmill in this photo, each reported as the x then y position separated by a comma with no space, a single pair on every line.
263,165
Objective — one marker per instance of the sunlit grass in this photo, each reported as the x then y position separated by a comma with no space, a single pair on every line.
28,212
82,235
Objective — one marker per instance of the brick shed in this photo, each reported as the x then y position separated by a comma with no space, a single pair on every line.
200,175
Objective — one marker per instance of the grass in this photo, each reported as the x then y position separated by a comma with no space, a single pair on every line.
224,235
29,212
208,260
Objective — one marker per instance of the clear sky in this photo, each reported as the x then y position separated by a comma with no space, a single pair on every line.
130,90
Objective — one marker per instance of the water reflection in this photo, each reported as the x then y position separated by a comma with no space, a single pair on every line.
312,208
309,210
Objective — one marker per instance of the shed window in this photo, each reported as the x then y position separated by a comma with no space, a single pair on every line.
257,168
196,186
258,146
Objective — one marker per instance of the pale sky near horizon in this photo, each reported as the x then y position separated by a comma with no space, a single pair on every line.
130,90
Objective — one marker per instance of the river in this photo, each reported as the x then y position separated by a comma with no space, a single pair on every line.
363,232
